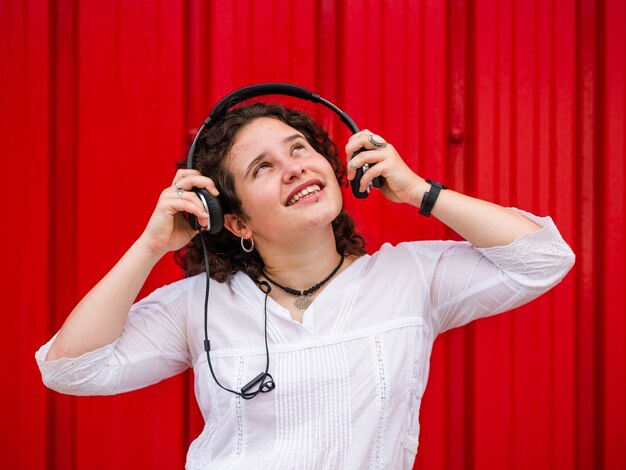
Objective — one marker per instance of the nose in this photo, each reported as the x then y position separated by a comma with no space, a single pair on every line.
292,170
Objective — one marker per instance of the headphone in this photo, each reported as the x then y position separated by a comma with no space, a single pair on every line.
263,382
210,203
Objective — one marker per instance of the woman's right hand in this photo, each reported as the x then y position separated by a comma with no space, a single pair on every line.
168,228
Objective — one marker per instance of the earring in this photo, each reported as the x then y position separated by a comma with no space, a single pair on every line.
247,249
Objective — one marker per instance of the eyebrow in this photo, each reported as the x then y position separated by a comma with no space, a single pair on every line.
262,156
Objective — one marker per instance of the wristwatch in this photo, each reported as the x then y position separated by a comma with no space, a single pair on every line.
430,197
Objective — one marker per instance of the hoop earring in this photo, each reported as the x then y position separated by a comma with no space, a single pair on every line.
247,249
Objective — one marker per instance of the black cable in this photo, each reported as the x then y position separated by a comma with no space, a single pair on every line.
264,380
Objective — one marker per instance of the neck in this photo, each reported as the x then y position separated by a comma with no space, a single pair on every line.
302,263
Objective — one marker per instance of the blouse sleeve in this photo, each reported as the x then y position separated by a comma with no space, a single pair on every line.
151,348
469,283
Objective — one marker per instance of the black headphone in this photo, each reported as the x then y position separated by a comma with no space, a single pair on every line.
210,203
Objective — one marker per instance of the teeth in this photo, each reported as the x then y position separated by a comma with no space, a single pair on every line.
314,188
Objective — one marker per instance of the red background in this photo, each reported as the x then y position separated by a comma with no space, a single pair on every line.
518,102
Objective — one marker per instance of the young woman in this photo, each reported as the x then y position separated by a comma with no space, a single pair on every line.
349,334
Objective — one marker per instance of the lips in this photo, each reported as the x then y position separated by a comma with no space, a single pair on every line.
305,189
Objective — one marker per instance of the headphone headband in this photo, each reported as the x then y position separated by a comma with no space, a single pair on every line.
262,89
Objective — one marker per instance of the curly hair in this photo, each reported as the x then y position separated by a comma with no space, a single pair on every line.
224,251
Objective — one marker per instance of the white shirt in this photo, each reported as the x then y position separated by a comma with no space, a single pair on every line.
349,379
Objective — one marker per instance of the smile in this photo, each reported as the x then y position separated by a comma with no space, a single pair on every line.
308,191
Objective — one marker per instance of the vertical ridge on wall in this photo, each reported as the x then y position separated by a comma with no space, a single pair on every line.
24,67
565,214
492,404
50,417
526,344
613,256
545,179
456,167
585,127
600,222
63,209
469,175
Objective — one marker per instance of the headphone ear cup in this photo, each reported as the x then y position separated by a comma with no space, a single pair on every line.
212,207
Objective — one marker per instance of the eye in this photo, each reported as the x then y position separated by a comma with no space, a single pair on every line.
260,167
297,146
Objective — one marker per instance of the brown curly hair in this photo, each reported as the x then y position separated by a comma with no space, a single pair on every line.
224,250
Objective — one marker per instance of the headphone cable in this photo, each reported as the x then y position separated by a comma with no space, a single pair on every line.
264,380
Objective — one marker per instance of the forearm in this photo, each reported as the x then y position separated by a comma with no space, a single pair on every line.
481,223
100,316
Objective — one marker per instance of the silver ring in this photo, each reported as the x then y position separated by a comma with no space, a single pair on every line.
178,188
378,144
180,192
351,165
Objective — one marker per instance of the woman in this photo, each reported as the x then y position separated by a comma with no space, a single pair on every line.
349,334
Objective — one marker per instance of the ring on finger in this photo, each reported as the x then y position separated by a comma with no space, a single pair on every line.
180,192
352,165
178,188
377,141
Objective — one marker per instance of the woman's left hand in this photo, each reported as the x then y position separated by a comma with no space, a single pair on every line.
401,183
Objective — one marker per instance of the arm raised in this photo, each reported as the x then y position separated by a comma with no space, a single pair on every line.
100,316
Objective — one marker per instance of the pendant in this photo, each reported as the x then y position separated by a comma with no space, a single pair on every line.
303,302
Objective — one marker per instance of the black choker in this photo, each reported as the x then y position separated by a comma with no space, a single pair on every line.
303,301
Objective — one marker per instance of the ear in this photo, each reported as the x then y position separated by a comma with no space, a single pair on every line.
236,226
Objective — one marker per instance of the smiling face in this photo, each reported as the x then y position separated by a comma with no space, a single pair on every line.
287,189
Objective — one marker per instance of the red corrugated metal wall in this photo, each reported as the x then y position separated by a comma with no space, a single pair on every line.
518,102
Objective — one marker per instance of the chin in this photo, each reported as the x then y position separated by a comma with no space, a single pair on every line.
326,217
316,217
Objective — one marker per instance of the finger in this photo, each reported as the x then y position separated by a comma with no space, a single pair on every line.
196,181
187,202
356,141
171,193
377,141
365,139
181,173
371,173
370,157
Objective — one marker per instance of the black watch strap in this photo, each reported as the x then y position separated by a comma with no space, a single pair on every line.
430,197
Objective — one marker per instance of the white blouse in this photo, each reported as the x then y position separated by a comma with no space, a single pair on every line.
349,379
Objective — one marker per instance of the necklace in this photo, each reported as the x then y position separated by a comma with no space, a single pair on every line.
303,301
